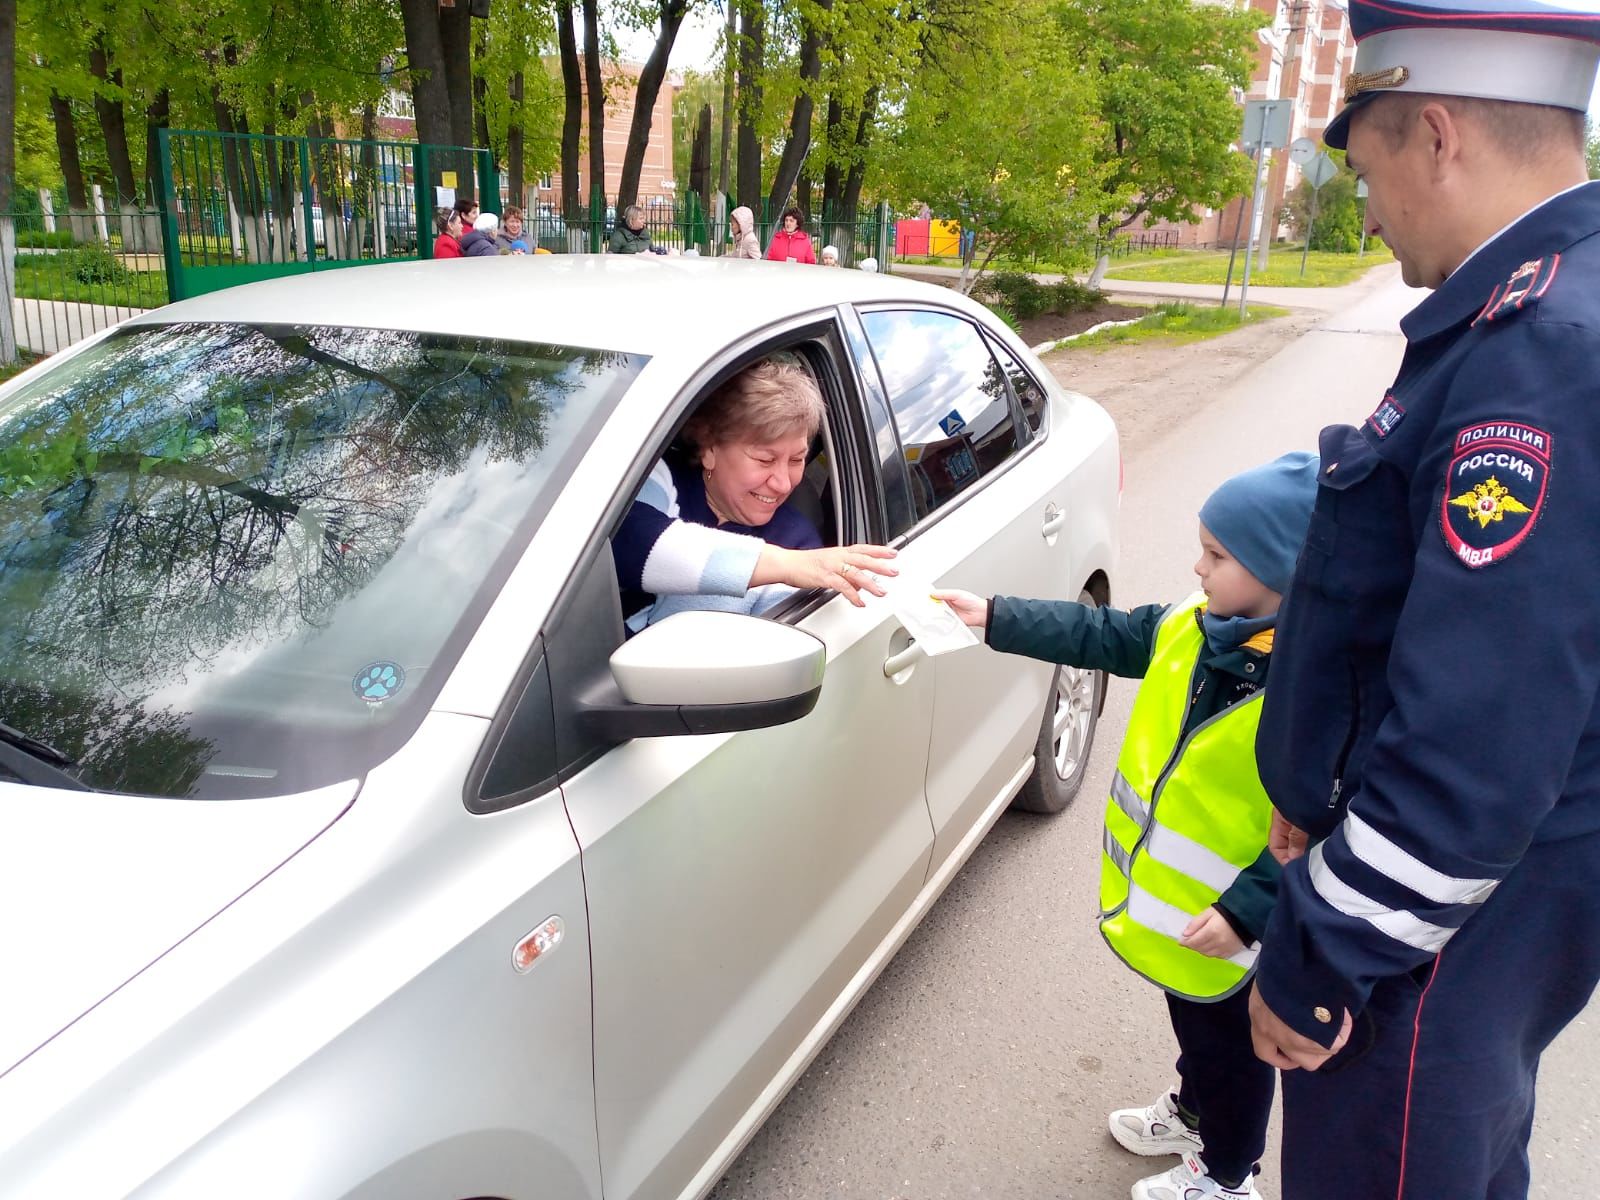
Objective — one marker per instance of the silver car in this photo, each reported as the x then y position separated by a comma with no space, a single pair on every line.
347,848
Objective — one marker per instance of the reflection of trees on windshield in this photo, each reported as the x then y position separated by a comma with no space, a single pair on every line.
184,491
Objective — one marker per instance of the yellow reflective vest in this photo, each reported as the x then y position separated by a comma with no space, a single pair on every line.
1186,815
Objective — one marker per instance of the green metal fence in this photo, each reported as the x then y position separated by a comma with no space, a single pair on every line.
72,273
242,207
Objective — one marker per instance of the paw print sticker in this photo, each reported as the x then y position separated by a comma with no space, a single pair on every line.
378,681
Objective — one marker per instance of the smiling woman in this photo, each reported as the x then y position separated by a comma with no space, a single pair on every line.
235,559
712,529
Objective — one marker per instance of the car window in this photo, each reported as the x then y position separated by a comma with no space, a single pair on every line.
949,399
239,560
1030,396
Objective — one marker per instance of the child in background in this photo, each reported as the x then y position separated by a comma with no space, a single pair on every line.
1186,882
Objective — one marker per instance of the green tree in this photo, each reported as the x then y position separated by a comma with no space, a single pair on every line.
8,170
521,102
1011,153
1165,74
1594,154
1338,223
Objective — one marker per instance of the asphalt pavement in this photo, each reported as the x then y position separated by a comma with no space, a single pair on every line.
984,1060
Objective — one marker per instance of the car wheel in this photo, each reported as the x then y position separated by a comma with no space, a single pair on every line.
1066,737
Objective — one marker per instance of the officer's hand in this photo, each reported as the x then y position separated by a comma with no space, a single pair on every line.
1285,841
1279,1046
1210,933
973,610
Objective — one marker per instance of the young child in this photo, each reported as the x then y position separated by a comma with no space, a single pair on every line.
1186,882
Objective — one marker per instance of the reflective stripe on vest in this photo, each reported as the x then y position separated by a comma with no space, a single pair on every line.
1184,817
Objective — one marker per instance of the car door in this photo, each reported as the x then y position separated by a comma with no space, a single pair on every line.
742,886
989,505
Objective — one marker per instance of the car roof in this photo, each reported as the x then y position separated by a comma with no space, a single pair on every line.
640,303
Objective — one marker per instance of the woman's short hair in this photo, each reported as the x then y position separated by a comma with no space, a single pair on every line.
632,211
794,211
442,218
762,403
510,210
464,206
486,222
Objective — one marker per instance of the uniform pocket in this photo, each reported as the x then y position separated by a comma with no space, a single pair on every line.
1359,545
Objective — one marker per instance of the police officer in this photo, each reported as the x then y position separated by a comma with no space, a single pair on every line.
1432,730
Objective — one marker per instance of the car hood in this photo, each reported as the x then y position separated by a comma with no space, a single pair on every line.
95,887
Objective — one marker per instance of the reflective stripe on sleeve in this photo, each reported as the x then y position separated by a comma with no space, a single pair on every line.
1165,919
1128,800
1388,859
1114,851
1396,923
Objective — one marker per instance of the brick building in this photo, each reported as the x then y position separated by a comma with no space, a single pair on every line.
1304,55
656,175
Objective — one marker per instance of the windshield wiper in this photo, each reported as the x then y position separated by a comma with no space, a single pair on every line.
38,762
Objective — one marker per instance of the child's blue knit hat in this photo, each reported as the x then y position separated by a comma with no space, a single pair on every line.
1261,515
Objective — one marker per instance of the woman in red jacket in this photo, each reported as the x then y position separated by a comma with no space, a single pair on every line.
448,244
791,243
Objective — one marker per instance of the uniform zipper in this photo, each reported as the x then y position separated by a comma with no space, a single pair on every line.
1349,741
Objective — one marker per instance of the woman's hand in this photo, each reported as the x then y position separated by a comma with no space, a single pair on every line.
848,570
973,610
1285,841
1210,934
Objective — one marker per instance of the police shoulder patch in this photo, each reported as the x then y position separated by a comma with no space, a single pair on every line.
1494,490
1525,288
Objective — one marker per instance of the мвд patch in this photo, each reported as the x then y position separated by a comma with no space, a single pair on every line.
1494,490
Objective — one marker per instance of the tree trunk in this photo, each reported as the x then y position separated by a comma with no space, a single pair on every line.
430,97
514,169
455,41
1101,266
157,115
799,140
572,120
730,32
595,84
644,102
832,172
751,53
113,124
700,156
8,172
78,219
858,161
480,87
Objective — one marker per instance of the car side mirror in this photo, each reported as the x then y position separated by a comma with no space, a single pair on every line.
706,672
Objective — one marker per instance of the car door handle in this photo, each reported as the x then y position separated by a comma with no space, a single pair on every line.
897,663
1055,519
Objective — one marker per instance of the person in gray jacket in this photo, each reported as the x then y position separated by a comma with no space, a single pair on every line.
629,237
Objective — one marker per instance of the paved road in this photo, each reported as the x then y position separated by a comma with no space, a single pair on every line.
1324,299
983,1061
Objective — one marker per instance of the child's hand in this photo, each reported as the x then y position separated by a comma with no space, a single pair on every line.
1210,934
973,610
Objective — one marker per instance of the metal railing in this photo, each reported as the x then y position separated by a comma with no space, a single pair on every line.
70,273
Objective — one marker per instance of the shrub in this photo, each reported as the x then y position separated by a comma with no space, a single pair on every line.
61,239
1000,309
93,264
1070,296
1025,297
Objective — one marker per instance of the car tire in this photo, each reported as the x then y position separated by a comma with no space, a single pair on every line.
1066,738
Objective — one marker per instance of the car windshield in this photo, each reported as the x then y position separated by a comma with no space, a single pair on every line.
238,560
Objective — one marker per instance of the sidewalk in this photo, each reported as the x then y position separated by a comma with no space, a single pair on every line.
45,326
1325,299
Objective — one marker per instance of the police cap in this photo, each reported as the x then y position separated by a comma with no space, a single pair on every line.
1526,51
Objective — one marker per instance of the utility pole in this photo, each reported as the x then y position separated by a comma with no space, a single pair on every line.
1296,12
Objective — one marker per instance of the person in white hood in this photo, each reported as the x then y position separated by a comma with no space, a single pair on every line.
745,242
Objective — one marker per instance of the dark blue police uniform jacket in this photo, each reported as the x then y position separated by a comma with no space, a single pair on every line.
1433,709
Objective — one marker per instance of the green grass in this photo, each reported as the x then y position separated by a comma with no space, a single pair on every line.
1323,269
42,277
1177,324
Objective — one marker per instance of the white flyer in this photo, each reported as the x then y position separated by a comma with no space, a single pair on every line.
932,622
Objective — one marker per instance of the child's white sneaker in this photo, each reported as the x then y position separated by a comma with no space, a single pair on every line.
1189,1181
1157,1129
